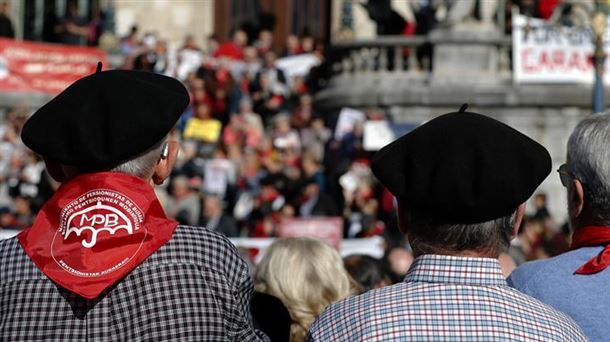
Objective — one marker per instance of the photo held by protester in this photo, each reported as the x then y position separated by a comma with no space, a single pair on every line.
256,170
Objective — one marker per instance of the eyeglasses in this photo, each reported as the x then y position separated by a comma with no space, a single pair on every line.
564,175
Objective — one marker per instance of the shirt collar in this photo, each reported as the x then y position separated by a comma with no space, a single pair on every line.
433,268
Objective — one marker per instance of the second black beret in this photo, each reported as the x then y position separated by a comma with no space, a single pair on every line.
462,168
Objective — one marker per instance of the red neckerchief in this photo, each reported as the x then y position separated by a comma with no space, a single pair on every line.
593,236
95,229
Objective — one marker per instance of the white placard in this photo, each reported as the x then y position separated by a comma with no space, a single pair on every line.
348,117
377,134
298,65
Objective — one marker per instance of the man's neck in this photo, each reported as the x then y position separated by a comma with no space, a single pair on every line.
465,254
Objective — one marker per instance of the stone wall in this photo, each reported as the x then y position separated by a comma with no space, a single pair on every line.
172,20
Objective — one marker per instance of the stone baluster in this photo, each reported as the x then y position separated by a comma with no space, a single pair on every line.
412,62
383,59
398,59
346,64
368,59
356,59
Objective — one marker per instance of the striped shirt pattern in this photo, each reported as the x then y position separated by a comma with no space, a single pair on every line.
445,298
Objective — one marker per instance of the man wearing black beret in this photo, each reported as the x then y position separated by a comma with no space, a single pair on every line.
461,182
102,262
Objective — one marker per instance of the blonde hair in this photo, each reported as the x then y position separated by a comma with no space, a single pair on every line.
307,275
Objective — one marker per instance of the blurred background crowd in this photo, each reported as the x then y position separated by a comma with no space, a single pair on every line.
258,151
255,149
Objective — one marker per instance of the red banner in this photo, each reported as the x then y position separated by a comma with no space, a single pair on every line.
329,229
47,68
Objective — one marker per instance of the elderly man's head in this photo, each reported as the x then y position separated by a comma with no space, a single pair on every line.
461,181
109,121
489,238
586,175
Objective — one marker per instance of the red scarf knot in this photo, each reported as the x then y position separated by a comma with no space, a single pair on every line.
95,229
593,236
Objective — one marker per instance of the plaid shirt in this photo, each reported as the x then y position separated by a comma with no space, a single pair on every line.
445,298
195,287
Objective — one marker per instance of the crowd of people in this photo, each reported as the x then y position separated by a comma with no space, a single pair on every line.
255,150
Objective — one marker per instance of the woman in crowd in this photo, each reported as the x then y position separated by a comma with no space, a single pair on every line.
307,275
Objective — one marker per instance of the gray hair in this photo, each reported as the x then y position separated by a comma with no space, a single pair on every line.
588,158
491,237
143,165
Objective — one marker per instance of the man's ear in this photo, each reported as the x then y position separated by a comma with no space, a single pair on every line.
577,197
519,213
165,165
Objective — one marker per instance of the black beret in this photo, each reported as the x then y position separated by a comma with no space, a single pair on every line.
462,167
106,118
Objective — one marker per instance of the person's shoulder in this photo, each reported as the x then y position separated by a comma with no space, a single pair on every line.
206,249
203,240
546,270
10,249
549,322
15,265
346,318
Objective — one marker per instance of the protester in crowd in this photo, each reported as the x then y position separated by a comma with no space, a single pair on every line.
211,45
456,229
189,57
232,114
102,247
129,42
307,275
528,245
202,127
316,202
185,204
24,215
8,220
361,211
6,25
215,219
293,46
575,282
275,76
284,137
366,271
235,48
72,29
264,43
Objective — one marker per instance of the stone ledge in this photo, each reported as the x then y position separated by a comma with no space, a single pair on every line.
399,90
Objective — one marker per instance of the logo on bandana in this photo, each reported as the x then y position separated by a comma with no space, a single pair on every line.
97,217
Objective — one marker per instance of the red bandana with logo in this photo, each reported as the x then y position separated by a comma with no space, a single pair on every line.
95,229
593,236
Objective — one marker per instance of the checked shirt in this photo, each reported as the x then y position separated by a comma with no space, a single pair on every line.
194,288
445,298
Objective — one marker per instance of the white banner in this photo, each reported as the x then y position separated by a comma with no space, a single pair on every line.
548,53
